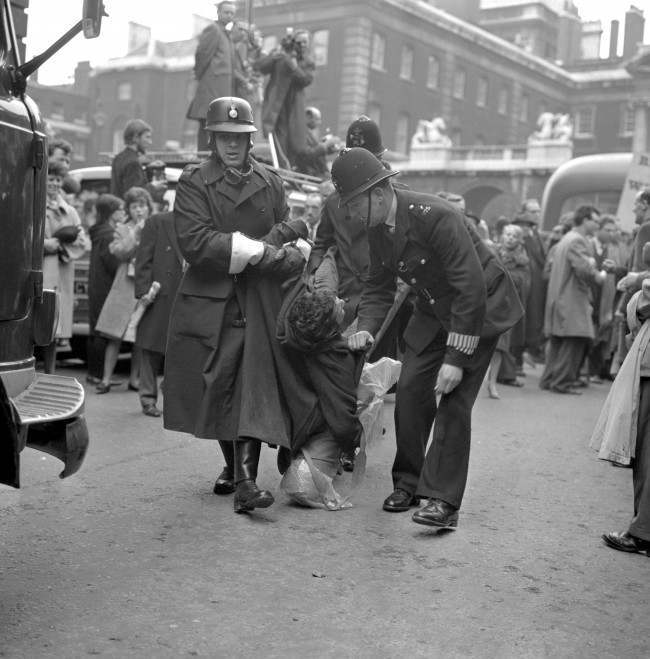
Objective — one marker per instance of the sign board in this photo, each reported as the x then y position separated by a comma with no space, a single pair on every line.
638,177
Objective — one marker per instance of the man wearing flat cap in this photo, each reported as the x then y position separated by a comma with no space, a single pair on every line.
465,299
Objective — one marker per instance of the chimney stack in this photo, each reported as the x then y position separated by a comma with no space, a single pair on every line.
613,40
634,25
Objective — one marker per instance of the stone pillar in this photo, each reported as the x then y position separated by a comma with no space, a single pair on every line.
354,72
640,138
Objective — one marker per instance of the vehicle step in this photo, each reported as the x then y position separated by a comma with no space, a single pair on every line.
50,398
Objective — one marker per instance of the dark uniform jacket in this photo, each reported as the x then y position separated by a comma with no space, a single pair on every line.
451,270
352,253
274,408
126,172
158,259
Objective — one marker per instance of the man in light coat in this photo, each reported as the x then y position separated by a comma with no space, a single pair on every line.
568,315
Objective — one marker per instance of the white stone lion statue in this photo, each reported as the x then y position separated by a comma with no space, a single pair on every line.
431,132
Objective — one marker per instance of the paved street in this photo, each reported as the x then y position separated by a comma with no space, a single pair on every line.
135,557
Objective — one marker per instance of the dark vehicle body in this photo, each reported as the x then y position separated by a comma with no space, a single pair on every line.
37,410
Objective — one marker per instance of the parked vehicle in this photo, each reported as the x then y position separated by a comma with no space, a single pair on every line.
596,180
37,410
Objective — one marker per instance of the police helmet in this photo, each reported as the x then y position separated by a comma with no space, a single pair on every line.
230,114
355,171
364,132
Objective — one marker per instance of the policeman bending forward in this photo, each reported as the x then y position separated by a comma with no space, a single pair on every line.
451,335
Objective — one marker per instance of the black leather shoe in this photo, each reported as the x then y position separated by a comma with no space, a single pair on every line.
347,461
151,410
437,513
627,542
400,501
225,483
248,497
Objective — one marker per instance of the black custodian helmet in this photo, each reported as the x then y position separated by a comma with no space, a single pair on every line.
230,114
364,132
355,171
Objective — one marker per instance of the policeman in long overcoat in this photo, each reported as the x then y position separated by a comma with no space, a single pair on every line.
465,299
222,366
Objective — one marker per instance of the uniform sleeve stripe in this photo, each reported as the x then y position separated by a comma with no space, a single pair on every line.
465,343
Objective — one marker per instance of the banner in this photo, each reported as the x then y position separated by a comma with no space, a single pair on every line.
638,177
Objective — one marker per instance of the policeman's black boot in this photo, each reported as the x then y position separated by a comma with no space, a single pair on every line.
225,483
247,495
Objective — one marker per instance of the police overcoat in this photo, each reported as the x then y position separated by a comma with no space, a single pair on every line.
461,285
207,211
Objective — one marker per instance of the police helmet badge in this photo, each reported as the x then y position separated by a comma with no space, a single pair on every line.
356,137
232,113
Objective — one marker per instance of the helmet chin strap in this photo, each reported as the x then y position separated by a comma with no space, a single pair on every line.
369,207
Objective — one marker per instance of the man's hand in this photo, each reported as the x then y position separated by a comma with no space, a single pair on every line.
625,282
449,378
360,340
609,265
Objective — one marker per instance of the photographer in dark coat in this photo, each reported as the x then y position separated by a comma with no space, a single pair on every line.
290,70
465,300
226,375
158,259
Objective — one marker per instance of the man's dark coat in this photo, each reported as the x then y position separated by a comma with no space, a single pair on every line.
127,172
158,259
214,61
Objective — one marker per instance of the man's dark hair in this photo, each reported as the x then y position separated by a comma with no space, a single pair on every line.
106,205
64,145
312,317
133,129
583,213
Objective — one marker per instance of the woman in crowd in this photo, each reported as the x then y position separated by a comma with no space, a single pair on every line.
65,241
510,249
120,302
109,212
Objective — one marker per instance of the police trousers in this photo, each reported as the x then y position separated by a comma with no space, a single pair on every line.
442,473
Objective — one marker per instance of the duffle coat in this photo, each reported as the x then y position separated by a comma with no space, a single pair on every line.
207,211
158,258
568,302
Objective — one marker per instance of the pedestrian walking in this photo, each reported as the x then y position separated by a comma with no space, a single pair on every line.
226,375
451,335
158,259
568,321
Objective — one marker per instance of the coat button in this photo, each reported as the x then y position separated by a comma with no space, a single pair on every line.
414,280
432,301
423,261
411,207
168,248
400,264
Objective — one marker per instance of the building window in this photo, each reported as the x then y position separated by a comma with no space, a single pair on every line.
584,122
458,90
627,120
320,46
124,91
502,101
79,150
482,92
523,108
406,67
374,112
402,133
378,51
433,72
